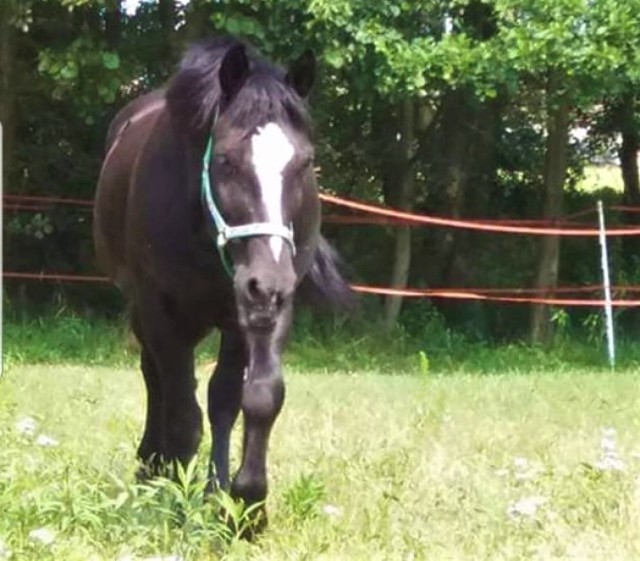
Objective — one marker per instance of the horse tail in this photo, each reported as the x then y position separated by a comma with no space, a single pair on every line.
324,285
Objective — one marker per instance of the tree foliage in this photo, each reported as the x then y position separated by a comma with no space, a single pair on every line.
474,76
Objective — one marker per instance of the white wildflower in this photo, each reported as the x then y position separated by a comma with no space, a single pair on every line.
26,426
332,511
527,507
502,472
610,462
608,440
43,536
46,441
525,469
5,552
520,463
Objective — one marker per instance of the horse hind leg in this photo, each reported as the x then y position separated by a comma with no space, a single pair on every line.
183,422
174,420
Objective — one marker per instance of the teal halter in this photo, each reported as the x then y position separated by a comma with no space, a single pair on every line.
226,232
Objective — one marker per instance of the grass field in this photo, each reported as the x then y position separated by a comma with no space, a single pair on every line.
534,465
601,176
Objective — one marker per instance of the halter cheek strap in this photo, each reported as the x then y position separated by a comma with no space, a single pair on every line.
226,232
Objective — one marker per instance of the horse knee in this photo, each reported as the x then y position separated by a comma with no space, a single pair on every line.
262,399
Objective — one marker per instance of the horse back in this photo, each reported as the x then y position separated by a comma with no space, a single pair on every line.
126,136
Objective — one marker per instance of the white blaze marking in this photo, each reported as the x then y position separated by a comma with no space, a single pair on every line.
271,152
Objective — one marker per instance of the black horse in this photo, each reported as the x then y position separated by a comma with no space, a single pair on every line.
207,216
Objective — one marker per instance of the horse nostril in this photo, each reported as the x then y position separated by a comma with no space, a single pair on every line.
277,300
262,294
253,287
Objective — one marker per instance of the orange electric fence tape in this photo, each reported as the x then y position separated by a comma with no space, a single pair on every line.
50,200
468,295
489,295
388,216
473,224
55,277
384,215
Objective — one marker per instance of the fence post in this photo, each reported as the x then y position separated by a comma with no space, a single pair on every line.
604,261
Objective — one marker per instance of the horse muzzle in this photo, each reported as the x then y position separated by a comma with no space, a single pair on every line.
262,298
262,321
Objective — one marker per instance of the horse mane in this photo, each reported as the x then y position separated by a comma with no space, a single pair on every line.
194,92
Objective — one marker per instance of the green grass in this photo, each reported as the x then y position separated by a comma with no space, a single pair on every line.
600,177
362,466
319,347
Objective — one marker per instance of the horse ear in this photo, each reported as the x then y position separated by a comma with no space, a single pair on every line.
302,73
234,70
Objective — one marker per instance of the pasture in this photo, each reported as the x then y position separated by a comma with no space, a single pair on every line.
530,465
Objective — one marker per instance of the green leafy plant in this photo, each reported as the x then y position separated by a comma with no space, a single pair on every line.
423,363
303,497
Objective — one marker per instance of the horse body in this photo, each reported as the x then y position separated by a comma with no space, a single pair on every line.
154,237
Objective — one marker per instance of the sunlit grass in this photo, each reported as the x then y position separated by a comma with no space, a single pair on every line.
601,177
362,466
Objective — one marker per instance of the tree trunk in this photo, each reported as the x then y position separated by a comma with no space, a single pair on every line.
113,24
402,250
629,127
198,22
457,127
7,92
629,151
555,172
91,20
168,19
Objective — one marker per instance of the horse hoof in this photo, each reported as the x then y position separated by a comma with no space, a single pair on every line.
143,474
151,469
248,524
255,524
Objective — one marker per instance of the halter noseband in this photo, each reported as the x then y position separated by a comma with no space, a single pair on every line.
226,232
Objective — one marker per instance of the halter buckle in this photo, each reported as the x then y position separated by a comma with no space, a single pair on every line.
222,238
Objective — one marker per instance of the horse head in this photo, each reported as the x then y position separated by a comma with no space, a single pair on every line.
258,188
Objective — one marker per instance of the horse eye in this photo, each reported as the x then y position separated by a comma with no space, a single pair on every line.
224,164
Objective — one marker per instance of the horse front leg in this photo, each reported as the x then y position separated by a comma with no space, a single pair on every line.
225,394
263,394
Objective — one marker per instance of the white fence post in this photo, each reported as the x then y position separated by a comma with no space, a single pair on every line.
604,260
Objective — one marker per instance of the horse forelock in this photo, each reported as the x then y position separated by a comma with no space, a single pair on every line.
266,98
194,93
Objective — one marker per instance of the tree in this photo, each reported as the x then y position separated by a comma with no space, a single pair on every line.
459,108
14,19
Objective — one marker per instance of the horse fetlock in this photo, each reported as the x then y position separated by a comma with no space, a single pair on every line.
263,399
250,487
